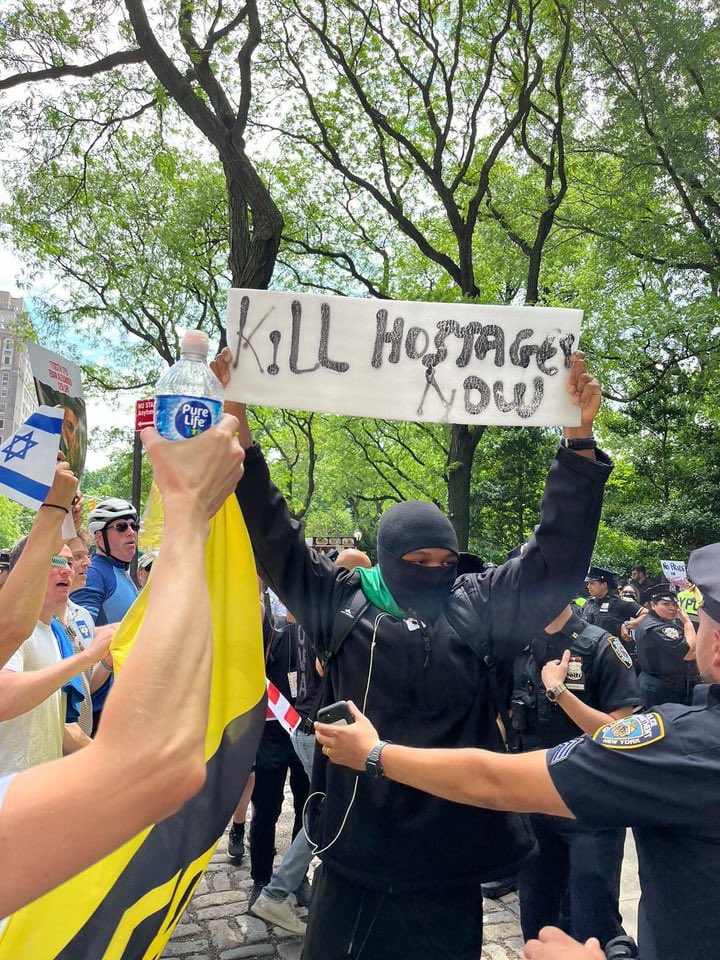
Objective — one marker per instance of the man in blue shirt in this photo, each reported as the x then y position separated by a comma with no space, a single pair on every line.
657,772
109,592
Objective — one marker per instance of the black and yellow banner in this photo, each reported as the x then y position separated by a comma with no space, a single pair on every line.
126,906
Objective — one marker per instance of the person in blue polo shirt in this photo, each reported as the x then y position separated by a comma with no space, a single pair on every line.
109,592
658,772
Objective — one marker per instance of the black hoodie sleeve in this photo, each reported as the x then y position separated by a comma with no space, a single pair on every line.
525,594
304,580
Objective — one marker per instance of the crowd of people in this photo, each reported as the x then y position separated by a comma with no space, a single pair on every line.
500,728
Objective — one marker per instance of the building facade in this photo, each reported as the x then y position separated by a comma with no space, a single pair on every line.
17,388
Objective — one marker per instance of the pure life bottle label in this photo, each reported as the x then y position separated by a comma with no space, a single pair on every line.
182,417
189,397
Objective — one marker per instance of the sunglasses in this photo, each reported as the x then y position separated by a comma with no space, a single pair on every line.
122,525
59,562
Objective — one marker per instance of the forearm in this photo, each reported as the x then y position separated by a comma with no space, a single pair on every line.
22,597
74,738
479,778
170,661
690,639
586,717
112,796
22,691
240,411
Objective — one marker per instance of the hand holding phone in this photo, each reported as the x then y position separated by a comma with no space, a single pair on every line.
338,713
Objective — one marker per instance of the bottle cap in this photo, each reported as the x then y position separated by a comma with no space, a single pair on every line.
195,341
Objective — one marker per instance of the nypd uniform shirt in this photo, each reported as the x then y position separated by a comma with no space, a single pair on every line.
600,674
661,648
610,612
659,773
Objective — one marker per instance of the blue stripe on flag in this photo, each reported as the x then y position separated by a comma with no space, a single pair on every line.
49,424
31,488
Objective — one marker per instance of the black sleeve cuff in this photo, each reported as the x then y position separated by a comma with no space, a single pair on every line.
599,469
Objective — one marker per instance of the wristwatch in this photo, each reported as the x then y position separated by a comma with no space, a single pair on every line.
578,443
372,764
554,693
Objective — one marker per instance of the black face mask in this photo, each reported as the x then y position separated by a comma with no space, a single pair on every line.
409,526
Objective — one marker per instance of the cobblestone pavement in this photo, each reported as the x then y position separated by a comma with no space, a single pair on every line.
217,926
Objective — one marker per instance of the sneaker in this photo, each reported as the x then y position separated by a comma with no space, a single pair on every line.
499,888
257,889
278,912
303,894
236,843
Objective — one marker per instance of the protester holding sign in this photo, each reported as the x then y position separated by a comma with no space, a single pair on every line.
148,757
401,872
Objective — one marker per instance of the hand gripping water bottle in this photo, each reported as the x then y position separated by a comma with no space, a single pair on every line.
189,397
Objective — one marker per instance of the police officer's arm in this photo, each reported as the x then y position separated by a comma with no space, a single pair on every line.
586,717
480,778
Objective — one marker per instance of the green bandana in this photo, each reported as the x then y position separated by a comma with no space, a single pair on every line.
376,590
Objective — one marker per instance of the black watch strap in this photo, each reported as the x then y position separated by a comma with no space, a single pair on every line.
373,765
579,443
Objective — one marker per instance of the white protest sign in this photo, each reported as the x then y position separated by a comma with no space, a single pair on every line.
674,572
401,360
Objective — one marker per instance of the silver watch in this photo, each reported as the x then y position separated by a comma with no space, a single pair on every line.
554,693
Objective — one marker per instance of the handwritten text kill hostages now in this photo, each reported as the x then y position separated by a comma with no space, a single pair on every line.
460,363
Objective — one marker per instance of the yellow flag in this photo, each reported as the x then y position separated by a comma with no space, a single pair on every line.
126,906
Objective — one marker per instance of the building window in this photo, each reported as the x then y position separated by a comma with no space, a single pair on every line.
3,392
6,377
2,424
8,344
6,359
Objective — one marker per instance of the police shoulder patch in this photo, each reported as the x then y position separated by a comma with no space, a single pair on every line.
630,733
670,633
618,648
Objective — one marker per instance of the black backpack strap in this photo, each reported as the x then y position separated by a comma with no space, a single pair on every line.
511,737
345,619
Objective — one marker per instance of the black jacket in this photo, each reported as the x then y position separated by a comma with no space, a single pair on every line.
429,685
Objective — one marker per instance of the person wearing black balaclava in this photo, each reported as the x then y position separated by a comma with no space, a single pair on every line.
401,871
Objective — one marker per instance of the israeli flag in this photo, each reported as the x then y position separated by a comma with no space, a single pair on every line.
28,458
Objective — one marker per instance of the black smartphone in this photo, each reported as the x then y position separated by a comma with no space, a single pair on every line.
336,713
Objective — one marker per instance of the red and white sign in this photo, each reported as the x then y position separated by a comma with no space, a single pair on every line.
145,413
280,709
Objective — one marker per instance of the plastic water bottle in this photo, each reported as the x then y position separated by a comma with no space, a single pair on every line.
188,396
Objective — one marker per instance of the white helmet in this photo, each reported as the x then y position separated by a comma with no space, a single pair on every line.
108,510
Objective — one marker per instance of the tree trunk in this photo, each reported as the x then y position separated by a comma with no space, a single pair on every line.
463,443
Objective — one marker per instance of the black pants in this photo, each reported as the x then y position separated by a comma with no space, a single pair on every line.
349,922
275,757
573,880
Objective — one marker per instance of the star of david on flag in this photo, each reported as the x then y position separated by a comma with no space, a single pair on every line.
28,458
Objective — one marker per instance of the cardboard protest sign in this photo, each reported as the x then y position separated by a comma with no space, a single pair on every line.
59,384
675,572
401,360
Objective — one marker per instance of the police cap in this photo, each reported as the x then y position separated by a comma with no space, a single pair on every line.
704,571
597,573
661,591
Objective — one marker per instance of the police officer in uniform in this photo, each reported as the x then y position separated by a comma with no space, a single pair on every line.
572,679
658,772
605,608
665,641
